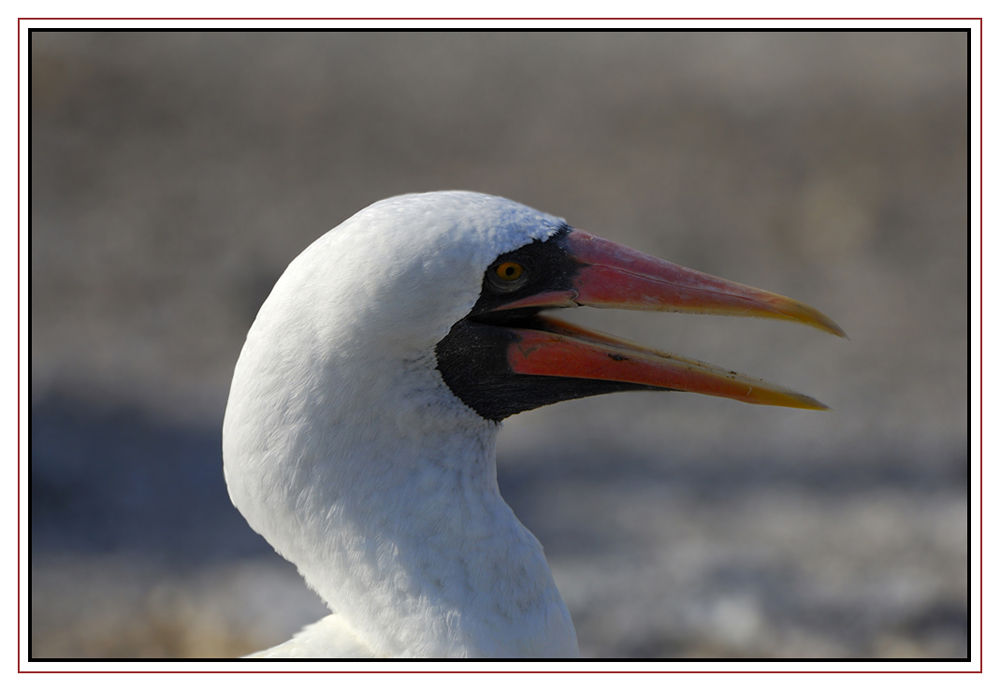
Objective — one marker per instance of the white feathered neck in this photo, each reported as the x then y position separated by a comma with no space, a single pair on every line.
345,449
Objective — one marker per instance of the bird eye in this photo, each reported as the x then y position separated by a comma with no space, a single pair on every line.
509,271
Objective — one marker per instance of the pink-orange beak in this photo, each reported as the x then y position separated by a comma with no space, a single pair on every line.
614,276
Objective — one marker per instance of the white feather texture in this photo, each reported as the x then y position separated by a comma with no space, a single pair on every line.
345,449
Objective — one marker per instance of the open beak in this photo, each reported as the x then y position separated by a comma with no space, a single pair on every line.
614,276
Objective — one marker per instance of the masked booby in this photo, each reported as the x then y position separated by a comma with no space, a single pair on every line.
360,433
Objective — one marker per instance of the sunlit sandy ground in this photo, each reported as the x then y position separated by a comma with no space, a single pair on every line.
766,575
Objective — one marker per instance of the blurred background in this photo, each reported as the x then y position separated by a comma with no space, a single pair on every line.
175,175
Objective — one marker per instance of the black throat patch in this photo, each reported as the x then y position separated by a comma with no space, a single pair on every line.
472,358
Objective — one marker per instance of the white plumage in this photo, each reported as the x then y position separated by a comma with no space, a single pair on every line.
345,449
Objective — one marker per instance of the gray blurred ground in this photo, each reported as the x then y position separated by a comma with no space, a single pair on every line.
175,175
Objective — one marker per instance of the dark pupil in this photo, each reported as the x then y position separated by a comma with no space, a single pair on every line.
509,271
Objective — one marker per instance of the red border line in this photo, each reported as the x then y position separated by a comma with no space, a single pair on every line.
507,671
981,660
487,19
19,345
509,19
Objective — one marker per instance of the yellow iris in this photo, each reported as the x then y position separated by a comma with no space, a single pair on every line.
509,271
